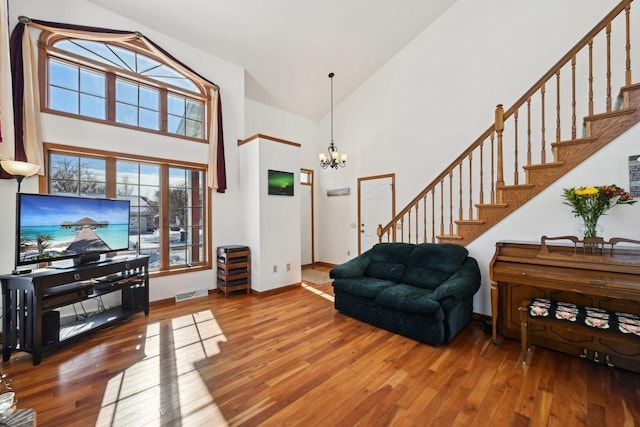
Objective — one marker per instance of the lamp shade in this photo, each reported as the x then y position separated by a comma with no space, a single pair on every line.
17,168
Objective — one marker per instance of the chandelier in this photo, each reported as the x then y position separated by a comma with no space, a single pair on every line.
334,159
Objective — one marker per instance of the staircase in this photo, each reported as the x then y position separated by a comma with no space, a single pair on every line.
533,143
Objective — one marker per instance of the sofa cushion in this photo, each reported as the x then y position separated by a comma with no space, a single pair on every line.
430,264
367,287
409,299
387,260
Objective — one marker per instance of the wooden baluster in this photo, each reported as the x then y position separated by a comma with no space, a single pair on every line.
481,172
424,218
499,127
529,131
493,175
409,222
417,218
573,97
433,214
379,233
442,207
516,175
609,67
471,184
402,229
451,203
543,148
628,44
590,80
558,133
460,215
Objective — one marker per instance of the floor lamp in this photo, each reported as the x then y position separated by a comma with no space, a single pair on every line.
19,169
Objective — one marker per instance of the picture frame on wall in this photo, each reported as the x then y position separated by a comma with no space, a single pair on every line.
280,183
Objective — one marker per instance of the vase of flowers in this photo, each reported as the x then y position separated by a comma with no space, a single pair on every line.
590,203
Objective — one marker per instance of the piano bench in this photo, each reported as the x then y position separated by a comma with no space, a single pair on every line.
573,318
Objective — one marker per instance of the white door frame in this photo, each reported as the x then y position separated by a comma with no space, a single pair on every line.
311,184
393,200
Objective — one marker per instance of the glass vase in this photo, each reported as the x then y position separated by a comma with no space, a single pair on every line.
591,228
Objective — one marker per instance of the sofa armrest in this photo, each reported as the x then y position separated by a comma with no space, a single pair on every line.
353,268
462,284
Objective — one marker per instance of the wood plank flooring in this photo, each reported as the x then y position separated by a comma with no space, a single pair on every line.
291,359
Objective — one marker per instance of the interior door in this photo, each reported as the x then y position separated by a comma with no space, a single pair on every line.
376,206
306,217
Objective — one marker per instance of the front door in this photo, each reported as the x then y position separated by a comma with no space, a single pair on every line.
376,206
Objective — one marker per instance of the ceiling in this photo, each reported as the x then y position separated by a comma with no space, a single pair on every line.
288,47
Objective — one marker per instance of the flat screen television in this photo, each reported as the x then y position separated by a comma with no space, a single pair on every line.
52,227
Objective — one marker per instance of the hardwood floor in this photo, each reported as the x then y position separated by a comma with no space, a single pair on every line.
291,359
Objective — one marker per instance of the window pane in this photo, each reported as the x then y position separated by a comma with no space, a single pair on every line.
92,106
193,128
175,125
63,100
93,169
150,174
92,189
149,119
149,98
64,167
126,114
177,177
127,172
63,187
126,92
93,83
194,110
176,105
63,75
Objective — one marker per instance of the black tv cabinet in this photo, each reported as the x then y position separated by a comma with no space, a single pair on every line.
28,299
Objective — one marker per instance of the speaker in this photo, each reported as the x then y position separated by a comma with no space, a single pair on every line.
50,327
133,298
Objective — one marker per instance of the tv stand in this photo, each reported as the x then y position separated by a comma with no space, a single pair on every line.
31,322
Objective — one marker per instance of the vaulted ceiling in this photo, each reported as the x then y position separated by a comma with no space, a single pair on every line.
288,47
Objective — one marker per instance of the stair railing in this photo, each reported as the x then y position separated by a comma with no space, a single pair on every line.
578,85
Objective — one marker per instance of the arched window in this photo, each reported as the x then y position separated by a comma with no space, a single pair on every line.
121,84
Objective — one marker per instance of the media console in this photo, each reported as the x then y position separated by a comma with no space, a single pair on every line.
31,322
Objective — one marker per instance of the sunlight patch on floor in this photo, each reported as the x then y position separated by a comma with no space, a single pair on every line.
317,292
145,395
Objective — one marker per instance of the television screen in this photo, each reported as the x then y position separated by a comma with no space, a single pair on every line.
280,183
50,227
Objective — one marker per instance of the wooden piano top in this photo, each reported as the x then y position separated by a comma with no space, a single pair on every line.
610,268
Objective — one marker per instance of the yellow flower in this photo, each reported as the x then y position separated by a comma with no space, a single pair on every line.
586,191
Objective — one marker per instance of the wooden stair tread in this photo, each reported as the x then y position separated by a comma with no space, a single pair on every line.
491,205
448,237
516,187
544,165
614,113
469,222
577,141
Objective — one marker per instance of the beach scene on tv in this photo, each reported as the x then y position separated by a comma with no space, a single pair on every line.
63,227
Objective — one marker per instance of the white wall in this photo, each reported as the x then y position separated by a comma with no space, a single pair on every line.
226,227
272,221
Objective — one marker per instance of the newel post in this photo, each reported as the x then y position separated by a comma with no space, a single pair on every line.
499,128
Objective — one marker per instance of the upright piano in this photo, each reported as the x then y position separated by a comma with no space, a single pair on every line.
589,273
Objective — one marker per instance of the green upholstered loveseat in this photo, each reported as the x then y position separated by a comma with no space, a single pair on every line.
422,291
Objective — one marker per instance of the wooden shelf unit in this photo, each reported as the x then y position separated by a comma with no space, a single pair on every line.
233,268
31,322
